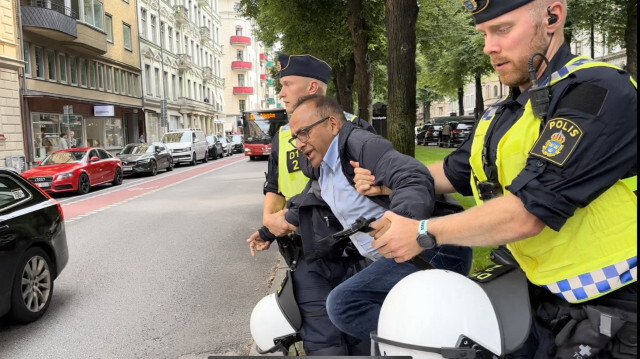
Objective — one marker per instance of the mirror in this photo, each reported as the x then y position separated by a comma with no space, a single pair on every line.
38,163
94,159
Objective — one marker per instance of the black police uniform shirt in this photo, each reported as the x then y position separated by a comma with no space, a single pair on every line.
602,102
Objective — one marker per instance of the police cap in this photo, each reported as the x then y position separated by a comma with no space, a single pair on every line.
485,10
304,65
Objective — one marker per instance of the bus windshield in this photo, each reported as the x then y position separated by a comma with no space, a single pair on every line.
261,126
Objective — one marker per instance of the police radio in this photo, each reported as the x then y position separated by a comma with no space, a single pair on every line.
539,95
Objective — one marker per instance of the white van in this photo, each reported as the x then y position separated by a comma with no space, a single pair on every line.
186,145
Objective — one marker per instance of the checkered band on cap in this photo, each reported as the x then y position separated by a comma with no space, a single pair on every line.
594,284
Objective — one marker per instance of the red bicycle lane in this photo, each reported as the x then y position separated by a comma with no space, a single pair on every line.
82,208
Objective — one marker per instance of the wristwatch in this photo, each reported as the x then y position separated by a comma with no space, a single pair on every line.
425,239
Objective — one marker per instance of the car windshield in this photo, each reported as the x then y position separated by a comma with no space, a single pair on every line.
223,140
236,138
57,158
136,149
176,137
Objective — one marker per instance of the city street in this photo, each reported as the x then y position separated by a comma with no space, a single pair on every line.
158,268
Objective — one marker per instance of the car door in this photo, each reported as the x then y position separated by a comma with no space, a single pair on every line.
94,169
110,165
162,154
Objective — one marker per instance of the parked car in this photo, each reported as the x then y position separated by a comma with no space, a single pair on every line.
187,145
214,147
226,146
238,143
460,133
33,247
76,170
145,158
428,134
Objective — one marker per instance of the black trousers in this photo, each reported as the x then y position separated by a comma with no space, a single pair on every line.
312,283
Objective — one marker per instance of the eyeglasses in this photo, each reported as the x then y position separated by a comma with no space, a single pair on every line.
303,133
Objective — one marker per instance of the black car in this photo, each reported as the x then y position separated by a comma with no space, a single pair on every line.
145,158
215,147
238,143
33,247
428,134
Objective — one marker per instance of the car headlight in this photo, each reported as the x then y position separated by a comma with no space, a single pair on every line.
144,160
65,175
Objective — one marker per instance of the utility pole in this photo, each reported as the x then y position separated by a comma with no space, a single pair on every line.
163,101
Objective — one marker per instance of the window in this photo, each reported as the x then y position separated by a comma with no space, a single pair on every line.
39,62
238,30
123,82
495,91
239,55
177,42
83,72
170,41
93,13
116,80
136,92
241,105
129,84
92,74
109,27
189,88
162,33
165,84
27,58
126,32
173,86
51,65
154,36
181,86
147,79
62,58
108,68
157,80
100,77
143,23
241,80
12,193
73,67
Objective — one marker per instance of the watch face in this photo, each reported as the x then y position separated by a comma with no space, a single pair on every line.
426,241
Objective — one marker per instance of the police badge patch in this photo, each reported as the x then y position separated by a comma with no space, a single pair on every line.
557,141
472,5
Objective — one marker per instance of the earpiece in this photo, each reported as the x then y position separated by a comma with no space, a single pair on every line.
553,18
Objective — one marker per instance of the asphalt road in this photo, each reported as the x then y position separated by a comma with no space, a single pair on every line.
163,273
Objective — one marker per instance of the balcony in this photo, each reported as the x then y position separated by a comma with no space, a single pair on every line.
181,14
241,65
240,40
184,62
243,90
269,63
50,19
263,57
270,82
207,73
263,77
205,34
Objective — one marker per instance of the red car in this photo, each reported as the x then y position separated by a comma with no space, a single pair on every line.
76,170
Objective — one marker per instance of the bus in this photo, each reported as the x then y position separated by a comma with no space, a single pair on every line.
260,126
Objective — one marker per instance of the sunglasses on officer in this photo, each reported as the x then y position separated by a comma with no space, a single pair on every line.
303,133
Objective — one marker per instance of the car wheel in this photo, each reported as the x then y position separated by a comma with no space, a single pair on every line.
206,158
83,184
32,286
170,168
154,168
221,154
194,159
215,155
252,158
117,179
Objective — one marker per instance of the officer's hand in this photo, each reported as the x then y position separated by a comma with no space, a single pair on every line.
399,240
364,181
256,243
277,224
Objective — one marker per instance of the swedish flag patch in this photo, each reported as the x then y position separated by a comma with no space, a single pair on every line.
557,141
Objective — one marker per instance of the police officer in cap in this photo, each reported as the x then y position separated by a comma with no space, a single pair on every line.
553,170
313,276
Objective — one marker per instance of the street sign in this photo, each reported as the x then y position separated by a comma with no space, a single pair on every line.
68,109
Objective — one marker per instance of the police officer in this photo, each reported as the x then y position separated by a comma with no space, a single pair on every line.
302,75
553,170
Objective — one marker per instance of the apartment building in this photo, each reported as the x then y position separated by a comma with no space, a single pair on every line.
82,73
245,68
181,58
11,130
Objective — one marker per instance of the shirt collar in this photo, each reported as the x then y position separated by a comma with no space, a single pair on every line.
331,158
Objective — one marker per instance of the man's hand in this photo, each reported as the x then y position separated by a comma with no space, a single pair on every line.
256,243
277,224
397,238
364,181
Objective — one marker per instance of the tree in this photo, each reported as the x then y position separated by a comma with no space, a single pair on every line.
401,17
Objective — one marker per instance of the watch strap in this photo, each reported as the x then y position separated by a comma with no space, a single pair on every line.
422,228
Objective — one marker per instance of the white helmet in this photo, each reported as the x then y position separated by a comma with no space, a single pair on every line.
437,313
276,319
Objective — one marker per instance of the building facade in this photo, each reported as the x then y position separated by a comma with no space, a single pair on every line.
181,59
11,130
245,65
82,74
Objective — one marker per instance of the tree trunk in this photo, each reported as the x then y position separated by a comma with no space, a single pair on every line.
401,17
460,101
360,41
592,40
427,112
631,38
344,72
479,110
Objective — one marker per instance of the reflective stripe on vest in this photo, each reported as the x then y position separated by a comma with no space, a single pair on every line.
595,251
291,180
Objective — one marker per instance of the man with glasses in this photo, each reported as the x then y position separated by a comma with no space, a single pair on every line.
331,144
314,275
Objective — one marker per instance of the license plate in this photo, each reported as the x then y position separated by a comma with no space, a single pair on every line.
44,184
127,168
